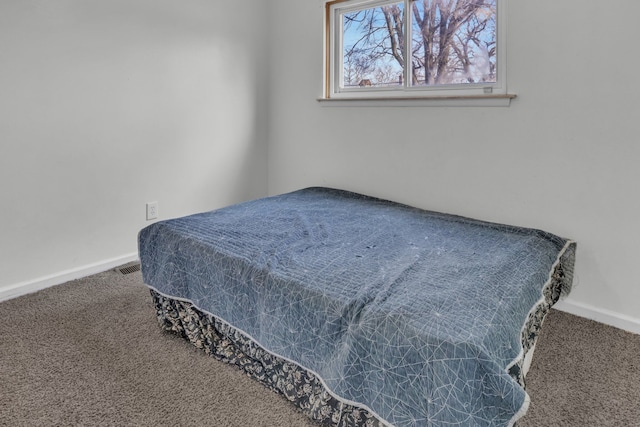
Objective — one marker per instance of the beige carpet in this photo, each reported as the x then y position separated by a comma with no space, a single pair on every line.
90,352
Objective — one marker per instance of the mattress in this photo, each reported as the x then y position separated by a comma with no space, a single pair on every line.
417,318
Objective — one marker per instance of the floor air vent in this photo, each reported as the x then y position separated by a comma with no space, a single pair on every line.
129,268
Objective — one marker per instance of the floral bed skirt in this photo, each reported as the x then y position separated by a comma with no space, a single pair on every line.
227,344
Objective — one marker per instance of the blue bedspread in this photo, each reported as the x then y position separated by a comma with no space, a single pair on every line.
414,315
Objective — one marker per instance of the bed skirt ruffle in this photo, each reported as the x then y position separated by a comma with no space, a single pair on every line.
227,344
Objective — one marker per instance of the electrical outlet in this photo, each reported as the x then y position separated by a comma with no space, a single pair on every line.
152,210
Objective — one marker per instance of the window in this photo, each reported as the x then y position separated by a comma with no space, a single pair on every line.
415,48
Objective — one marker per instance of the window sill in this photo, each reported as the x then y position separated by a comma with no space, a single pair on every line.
488,100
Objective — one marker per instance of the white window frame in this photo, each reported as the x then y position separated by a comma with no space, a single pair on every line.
333,84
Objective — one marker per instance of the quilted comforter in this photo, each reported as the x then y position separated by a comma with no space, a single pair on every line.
421,318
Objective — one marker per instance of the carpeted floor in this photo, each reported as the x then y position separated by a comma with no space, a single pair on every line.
90,352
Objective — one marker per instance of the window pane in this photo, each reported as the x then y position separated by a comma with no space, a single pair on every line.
373,44
453,42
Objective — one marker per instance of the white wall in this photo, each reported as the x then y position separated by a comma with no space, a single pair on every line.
563,157
106,105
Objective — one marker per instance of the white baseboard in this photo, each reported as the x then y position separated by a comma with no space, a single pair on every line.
23,288
611,318
601,315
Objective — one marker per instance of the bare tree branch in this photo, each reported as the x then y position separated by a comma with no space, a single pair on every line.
451,40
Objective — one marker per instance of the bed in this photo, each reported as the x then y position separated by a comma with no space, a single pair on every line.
362,311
